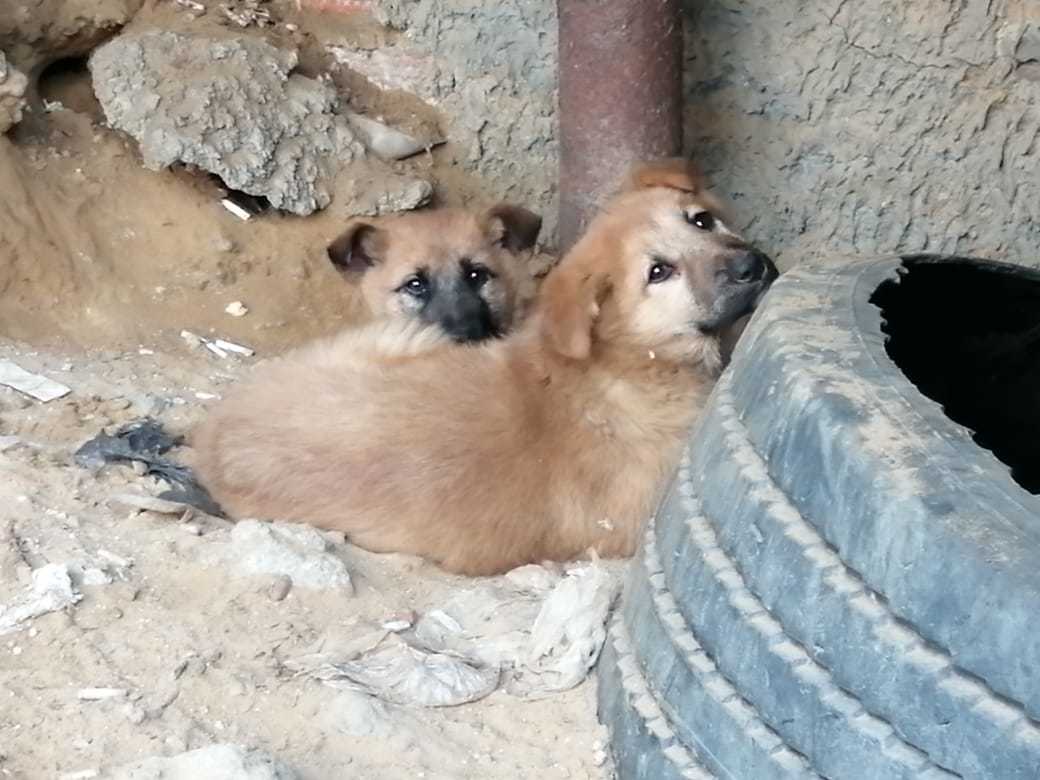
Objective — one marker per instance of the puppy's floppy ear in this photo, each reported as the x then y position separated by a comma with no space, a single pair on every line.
675,173
358,248
512,227
571,300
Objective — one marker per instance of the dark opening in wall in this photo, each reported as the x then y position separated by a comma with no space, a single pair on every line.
967,334
67,81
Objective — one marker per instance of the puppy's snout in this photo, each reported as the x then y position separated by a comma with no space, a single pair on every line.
750,266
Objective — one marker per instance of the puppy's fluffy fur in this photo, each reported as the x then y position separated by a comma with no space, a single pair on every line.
466,272
538,446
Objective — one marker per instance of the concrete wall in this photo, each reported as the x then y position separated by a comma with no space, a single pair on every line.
835,127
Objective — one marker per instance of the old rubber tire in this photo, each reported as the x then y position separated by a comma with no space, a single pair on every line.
840,582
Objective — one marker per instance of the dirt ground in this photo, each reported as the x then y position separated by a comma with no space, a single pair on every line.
102,265
199,650
97,251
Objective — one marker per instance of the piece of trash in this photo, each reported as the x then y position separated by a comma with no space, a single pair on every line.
215,349
193,341
388,142
544,631
100,694
51,589
401,674
248,12
206,396
235,209
82,774
191,5
141,440
146,441
92,575
39,387
230,346
400,622
236,309
145,351
116,560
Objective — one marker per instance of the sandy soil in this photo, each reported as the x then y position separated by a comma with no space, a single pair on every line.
96,251
200,650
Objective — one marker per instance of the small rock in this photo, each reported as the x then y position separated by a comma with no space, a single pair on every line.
296,551
224,761
147,503
236,309
279,587
233,107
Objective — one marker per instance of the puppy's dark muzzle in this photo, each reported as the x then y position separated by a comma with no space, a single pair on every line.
751,267
745,279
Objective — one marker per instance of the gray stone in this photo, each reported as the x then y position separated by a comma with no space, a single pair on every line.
295,551
232,107
13,84
228,762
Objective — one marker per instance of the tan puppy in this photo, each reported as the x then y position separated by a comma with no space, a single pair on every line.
460,270
538,446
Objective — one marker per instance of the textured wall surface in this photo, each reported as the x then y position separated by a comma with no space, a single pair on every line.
835,127
844,127
494,78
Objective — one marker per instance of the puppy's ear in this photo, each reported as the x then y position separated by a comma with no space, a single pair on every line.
675,173
512,227
571,300
357,249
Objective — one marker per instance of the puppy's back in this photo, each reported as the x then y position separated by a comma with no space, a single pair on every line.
330,434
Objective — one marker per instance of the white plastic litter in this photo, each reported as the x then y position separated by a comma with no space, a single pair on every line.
401,674
51,589
546,639
39,387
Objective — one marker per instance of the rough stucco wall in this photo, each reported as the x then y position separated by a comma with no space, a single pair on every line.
835,127
842,127
495,83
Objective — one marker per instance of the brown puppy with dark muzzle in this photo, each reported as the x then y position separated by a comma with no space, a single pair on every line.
553,440
459,270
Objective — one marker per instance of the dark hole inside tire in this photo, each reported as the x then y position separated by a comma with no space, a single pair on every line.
967,334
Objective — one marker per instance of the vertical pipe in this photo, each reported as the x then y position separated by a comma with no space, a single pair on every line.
620,92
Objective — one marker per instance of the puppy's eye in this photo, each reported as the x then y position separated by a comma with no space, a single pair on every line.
702,219
660,271
415,285
476,275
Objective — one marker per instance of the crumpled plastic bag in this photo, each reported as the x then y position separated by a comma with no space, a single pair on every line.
534,630
401,674
545,630
51,589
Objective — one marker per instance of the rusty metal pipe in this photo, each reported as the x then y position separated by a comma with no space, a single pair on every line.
620,92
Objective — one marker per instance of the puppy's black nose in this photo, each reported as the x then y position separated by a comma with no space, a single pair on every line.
747,267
